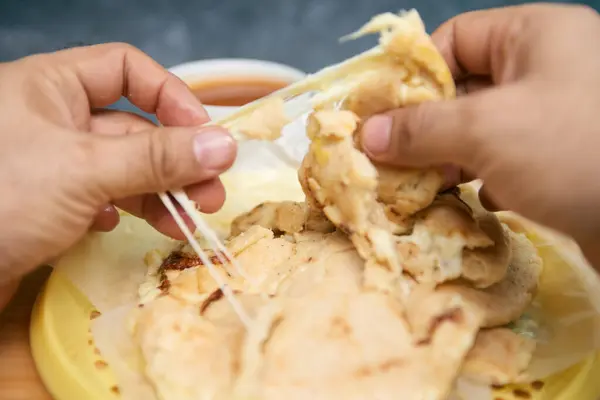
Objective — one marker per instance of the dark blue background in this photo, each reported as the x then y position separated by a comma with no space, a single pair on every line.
302,33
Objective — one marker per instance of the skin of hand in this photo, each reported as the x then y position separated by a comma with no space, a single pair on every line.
65,162
527,122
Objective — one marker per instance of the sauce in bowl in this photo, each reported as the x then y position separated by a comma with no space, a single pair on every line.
234,91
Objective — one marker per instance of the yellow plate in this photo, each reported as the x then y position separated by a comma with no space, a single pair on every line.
71,367
63,347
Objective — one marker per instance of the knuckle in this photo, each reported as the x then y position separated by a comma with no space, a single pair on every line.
584,21
79,160
414,125
122,47
441,132
585,12
417,124
569,20
470,129
82,153
121,50
162,168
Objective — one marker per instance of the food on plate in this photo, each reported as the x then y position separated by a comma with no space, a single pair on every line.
377,285
350,345
265,122
499,356
425,243
374,202
186,356
322,333
283,217
506,300
342,182
449,241
406,191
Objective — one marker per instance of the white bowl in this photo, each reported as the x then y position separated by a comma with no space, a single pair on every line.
252,155
202,70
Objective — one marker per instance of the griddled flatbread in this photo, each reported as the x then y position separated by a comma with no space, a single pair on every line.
498,357
506,300
330,346
372,203
452,239
341,181
186,355
283,217
406,191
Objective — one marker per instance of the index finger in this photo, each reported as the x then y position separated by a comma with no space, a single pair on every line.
490,42
110,71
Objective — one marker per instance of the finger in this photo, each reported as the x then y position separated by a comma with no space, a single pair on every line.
488,42
460,132
487,201
466,176
109,71
156,160
106,220
116,122
465,41
209,196
164,222
452,175
472,84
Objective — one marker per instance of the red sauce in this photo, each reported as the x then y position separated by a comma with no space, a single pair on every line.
234,91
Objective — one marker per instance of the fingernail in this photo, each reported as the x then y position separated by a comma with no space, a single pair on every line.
106,220
214,149
376,134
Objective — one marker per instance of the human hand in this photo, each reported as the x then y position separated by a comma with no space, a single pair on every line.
63,159
528,122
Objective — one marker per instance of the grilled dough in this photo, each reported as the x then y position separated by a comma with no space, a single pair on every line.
284,217
506,300
498,357
452,240
352,345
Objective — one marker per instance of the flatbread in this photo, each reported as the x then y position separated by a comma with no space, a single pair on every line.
283,217
353,346
452,240
342,182
506,300
405,191
498,357
187,355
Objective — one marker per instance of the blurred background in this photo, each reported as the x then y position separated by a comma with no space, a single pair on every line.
302,33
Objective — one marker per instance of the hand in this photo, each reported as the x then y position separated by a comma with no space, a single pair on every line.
63,159
528,123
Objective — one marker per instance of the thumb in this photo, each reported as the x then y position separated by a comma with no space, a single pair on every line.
434,133
159,159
